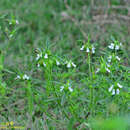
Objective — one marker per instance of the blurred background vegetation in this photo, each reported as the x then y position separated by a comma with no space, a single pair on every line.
63,22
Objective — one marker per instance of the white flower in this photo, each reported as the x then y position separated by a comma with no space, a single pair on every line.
117,91
110,89
57,62
68,65
10,23
44,64
70,89
107,70
107,65
18,77
111,46
113,92
87,50
25,77
73,64
120,44
11,35
117,47
17,22
82,48
46,56
61,88
118,58
39,56
97,70
93,50
109,58
120,86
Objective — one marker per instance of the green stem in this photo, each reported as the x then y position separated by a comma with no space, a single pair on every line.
1,65
48,73
29,97
91,87
89,64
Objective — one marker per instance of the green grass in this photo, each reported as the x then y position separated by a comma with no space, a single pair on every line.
59,29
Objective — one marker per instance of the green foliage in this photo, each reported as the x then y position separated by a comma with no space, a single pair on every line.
50,78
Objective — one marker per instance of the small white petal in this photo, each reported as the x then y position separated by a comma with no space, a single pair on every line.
97,70
107,65
10,23
38,56
117,91
113,92
111,46
68,65
93,50
109,58
110,89
70,89
82,48
107,70
61,88
17,22
117,47
25,77
120,44
44,64
87,50
57,62
73,64
118,58
11,35
46,56
120,86
18,77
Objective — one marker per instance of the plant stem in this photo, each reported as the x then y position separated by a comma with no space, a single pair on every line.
91,87
29,97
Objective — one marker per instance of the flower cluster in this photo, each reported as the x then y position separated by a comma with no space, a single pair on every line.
115,89
88,49
44,57
13,21
70,64
104,67
39,56
115,46
66,87
24,77
113,57
57,63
